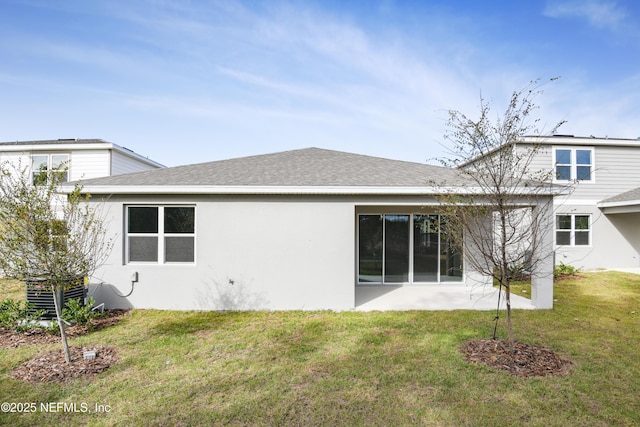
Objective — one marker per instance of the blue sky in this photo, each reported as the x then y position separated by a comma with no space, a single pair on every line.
192,81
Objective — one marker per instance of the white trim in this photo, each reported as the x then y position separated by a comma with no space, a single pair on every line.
618,204
160,235
572,230
622,209
568,201
579,141
320,190
573,164
50,169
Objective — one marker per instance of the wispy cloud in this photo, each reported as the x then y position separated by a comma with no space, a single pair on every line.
599,13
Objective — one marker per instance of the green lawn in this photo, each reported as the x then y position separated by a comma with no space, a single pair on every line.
325,368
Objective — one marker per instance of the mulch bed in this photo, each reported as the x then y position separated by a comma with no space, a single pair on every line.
52,367
11,339
525,360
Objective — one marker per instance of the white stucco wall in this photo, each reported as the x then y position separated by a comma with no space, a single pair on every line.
251,253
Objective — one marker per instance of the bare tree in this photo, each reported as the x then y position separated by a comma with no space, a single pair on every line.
48,236
500,226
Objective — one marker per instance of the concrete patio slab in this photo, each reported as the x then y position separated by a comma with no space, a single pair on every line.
388,298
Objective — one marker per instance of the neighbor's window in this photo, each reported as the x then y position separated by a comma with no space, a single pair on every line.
44,165
573,230
161,234
573,164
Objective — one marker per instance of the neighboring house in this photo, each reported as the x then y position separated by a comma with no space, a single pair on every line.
302,229
83,158
597,225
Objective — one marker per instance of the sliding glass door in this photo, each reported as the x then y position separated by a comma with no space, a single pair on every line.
426,240
403,248
370,251
396,248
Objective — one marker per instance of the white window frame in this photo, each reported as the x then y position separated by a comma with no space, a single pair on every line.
573,165
160,235
50,164
572,230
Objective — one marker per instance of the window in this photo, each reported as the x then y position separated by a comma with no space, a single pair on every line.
403,248
573,230
160,234
43,165
573,164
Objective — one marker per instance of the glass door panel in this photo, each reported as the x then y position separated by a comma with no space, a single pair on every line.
425,248
450,259
396,245
370,248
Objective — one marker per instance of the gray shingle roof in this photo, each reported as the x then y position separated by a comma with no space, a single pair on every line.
305,167
627,196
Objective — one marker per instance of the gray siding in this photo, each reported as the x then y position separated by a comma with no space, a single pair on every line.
88,164
121,164
617,169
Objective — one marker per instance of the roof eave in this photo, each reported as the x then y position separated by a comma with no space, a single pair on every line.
253,190
291,190
627,206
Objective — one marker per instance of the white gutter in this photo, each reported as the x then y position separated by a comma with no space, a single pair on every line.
319,190
618,204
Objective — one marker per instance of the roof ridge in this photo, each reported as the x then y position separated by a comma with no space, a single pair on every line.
310,166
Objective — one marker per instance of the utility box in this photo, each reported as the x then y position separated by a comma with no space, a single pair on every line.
40,296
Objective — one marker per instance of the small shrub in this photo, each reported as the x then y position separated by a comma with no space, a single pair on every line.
53,329
79,313
19,316
563,269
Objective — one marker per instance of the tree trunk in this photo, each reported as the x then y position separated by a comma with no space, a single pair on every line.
507,294
63,334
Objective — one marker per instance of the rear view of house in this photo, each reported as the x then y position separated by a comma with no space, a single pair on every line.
302,229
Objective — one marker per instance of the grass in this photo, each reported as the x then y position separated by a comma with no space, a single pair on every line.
12,289
326,368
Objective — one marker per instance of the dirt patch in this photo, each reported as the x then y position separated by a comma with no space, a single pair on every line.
52,366
11,339
525,360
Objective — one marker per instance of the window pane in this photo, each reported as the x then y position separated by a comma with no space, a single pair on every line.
583,173
563,157
583,157
563,173
143,248
39,162
425,248
179,219
450,259
563,238
396,245
59,160
370,248
143,220
563,222
39,169
179,249
582,222
582,238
